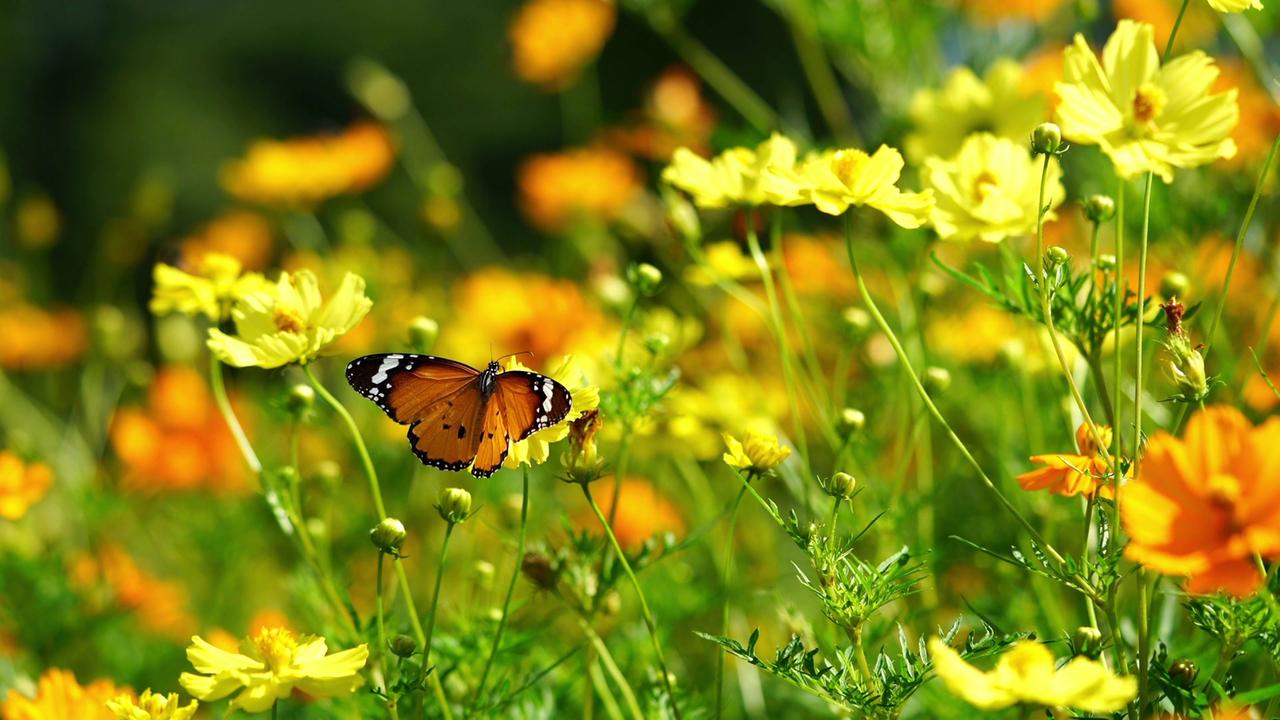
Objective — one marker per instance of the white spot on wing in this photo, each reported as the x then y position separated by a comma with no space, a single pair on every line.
387,365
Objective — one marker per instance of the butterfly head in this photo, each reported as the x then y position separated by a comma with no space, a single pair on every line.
489,378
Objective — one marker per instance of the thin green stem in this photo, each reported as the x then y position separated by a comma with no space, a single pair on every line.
1121,291
275,710
835,517
822,79
1267,596
863,666
229,415
928,401
627,319
382,638
367,462
606,658
725,574
511,586
649,622
1144,629
435,595
1168,46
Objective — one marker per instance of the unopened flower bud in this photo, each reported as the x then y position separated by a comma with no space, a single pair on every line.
403,646
1046,139
301,399
851,421
538,568
682,216
936,380
856,321
1184,672
423,332
1099,208
1186,368
645,278
1174,284
611,604
1088,641
1057,255
454,505
388,536
657,343
1106,263
841,485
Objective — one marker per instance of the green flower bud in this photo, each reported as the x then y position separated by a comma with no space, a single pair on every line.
936,380
645,278
1184,672
454,505
1088,641
388,536
423,332
841,485
300,400
1106,263
403,646
856,321
1056,255
1099,208
657,343
1046,139
1174,284
851,421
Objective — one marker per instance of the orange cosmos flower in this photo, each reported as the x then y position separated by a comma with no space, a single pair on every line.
60,697
593,182
1253,138
242,234
159,605
310,170
642,512
21,485
1204,505
675,115
1198,24
1067,475
995,11
551,40
35,338
180,441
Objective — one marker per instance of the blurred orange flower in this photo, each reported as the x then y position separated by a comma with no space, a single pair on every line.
310,170
642,512
675,115
1198,24
1067,475
977,333
592,182
35,338
995,11
1254,137
1202,506
180,441
59,696
159,605
21,484
517,312
242,234
552,40
817,266
1042,70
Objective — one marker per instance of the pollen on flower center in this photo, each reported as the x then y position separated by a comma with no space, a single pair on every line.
983,186
275,646
288,321
846,165
1148,103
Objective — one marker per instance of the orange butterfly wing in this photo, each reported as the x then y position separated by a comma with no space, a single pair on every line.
523,403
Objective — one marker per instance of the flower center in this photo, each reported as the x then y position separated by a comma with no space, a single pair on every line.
983,186
846,165
289,321
275,646
1148,103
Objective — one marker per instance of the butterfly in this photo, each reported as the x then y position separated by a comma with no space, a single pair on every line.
459,416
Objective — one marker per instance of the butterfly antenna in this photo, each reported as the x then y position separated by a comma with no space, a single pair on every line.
515,354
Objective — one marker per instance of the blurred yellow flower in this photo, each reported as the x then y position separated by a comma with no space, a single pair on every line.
1027,674
535,449
832,181
159,605
60,697
642,512
755,453
725,261
152,706
21,484
591,182
35,338
36,222
280,663
242,234
736,176
552,40
310,170
179,441
1145,117
1235,6
290,323
990,189
1001,103
210,291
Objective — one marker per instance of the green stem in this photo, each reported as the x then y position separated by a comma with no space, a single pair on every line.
229,415
822,79
511,587
606,658
367,462
649,622
1267,596
835,516
725,574
382,638
626,327
1168,46
435,596
275,710
863,666
928,401
1144,629
1117,350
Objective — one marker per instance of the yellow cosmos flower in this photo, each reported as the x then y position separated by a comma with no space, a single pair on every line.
1235,6
280,663
725,260
836,179
1145,117
289,323
152,706
59,696
755,453
990,190
736,176
209,291
21,485
535,449
1000,103
1027,674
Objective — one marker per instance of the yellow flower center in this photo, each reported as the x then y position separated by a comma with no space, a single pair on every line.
1224,490
1148,103
289,321
846,165
983,186
1028,658
275,646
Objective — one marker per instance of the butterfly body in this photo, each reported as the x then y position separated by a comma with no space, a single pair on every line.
459,416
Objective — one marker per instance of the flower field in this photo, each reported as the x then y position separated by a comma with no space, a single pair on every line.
640,359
